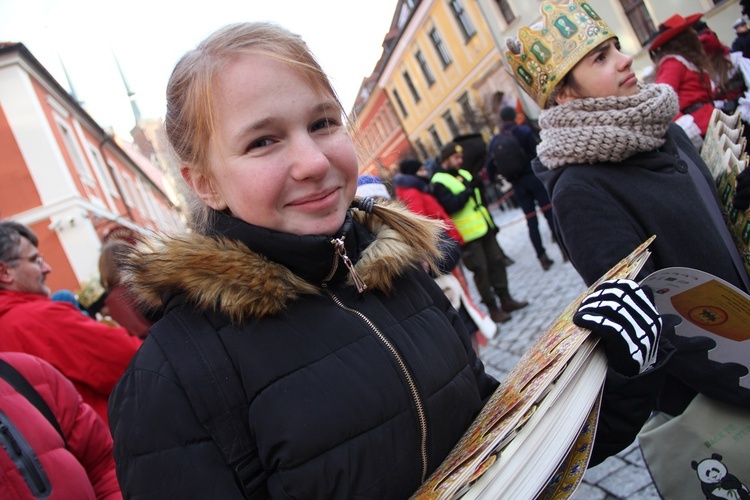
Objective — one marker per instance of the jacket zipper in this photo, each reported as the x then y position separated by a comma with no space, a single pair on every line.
24,458
409,379
338,244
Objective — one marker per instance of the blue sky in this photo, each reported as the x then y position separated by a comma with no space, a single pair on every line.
149,36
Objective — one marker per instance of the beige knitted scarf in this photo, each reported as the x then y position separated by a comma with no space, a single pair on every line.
606,129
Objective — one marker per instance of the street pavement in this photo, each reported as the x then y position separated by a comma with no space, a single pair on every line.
620,477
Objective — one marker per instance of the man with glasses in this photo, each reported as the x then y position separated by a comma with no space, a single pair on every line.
91,354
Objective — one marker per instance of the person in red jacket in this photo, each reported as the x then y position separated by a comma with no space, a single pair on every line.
682,63
413,188
415,191
34,459
91,354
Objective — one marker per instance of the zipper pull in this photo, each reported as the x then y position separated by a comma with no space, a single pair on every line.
341,249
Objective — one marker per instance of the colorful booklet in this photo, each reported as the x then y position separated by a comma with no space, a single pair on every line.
710,307
519,446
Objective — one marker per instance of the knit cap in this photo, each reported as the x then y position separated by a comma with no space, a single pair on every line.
371,185
409,166
449,150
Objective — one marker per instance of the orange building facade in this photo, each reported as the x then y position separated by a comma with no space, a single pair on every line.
65,177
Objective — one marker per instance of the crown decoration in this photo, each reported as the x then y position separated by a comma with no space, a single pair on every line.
544,56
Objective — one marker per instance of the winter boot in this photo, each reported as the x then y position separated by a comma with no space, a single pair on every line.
545,261
510,304
498,315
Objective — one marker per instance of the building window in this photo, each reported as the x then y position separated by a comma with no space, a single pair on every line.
435,137
639,19
412,88
121,183
422,149
450,122
103,170
506,11
469,117
70,144
400,103
437,42
463,19
425,69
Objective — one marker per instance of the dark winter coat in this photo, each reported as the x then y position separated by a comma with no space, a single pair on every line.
606,210
351,395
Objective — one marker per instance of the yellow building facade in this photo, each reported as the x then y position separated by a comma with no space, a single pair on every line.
444,74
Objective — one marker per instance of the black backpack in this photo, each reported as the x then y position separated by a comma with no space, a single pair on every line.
506,157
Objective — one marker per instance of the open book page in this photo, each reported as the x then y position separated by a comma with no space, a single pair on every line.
512,404
710,307
545,440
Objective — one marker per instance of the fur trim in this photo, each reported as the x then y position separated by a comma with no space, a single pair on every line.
410,238
225,275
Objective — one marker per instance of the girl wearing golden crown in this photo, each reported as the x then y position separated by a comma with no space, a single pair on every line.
618,170
609,154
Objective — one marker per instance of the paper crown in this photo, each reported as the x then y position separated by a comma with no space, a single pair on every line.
567,33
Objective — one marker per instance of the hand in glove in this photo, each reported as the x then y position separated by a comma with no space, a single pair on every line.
624,317
716,379
742,196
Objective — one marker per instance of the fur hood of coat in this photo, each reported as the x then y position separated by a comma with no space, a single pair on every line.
243,283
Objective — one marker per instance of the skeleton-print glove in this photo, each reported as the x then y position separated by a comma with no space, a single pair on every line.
624,317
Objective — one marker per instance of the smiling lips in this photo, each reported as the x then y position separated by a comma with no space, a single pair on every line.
317,200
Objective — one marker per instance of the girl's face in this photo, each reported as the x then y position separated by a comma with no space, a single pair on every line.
281,157
604,72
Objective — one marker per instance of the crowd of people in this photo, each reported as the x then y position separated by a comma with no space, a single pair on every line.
314,334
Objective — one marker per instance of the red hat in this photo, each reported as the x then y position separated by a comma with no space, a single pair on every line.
673,27
711,44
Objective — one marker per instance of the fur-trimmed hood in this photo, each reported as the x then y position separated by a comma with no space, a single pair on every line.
245,271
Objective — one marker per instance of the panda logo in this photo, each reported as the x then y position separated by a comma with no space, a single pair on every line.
717,482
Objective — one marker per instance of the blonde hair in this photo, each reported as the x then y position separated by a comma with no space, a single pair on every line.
189,119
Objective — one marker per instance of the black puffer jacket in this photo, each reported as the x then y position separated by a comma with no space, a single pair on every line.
351,395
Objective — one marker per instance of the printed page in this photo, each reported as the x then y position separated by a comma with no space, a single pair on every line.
710,307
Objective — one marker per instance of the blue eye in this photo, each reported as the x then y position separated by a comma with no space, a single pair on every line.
321,124
259,143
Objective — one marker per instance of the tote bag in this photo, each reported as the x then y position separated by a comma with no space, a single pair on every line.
702,453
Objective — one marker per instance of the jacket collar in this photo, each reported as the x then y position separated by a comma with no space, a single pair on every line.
246,271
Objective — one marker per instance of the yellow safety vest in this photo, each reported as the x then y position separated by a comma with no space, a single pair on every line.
472,219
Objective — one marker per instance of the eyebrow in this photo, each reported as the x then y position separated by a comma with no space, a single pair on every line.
602,47
265,122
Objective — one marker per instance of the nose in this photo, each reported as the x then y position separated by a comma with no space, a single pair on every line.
626,61
309,159
46,268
